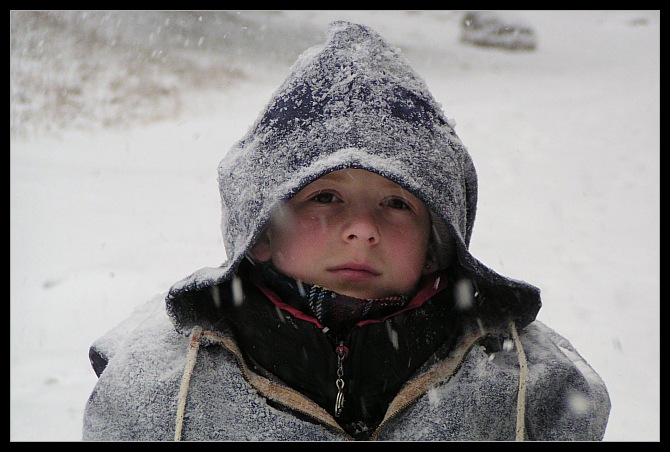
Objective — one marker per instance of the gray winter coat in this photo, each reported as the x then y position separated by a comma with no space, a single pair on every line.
471,395
175,369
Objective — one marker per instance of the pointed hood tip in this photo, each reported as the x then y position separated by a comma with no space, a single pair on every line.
343,34
345,26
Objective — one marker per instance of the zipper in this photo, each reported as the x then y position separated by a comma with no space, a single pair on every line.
231,346
342,352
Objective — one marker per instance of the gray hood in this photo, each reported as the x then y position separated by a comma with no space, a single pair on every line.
353,102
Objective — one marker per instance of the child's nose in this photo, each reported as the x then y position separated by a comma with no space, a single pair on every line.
362,226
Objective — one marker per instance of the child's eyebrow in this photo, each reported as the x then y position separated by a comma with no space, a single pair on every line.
394,186
334,176
342,177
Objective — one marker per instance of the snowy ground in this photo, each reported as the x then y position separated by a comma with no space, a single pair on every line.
118,121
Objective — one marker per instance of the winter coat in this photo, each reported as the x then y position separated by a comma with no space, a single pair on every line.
485,387
183,368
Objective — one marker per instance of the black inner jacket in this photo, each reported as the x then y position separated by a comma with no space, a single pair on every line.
381,356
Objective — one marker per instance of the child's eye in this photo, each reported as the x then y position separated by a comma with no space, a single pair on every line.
324,198
397,203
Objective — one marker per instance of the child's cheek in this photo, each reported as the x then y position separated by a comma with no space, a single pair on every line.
314,225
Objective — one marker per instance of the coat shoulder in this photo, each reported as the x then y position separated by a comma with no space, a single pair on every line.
568,398
564,400
105,347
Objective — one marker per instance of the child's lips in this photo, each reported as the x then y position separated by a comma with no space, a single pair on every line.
354,272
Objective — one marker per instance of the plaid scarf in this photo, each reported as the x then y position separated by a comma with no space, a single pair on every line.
338,312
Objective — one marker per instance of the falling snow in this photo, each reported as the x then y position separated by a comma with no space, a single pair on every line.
118,122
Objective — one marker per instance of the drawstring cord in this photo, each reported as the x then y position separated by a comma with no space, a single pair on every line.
523,377
193,348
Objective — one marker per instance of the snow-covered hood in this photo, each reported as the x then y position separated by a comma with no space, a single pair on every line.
353,102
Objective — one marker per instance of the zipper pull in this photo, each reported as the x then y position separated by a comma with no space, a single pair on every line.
341,351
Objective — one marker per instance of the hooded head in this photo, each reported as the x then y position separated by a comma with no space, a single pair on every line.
354,102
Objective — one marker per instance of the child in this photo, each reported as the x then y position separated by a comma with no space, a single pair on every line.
349,306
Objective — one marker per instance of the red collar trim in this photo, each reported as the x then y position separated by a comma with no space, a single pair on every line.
431,285
276,300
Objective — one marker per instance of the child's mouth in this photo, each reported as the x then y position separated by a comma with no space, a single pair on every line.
354,272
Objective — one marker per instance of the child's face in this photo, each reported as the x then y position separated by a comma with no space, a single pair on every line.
353,232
